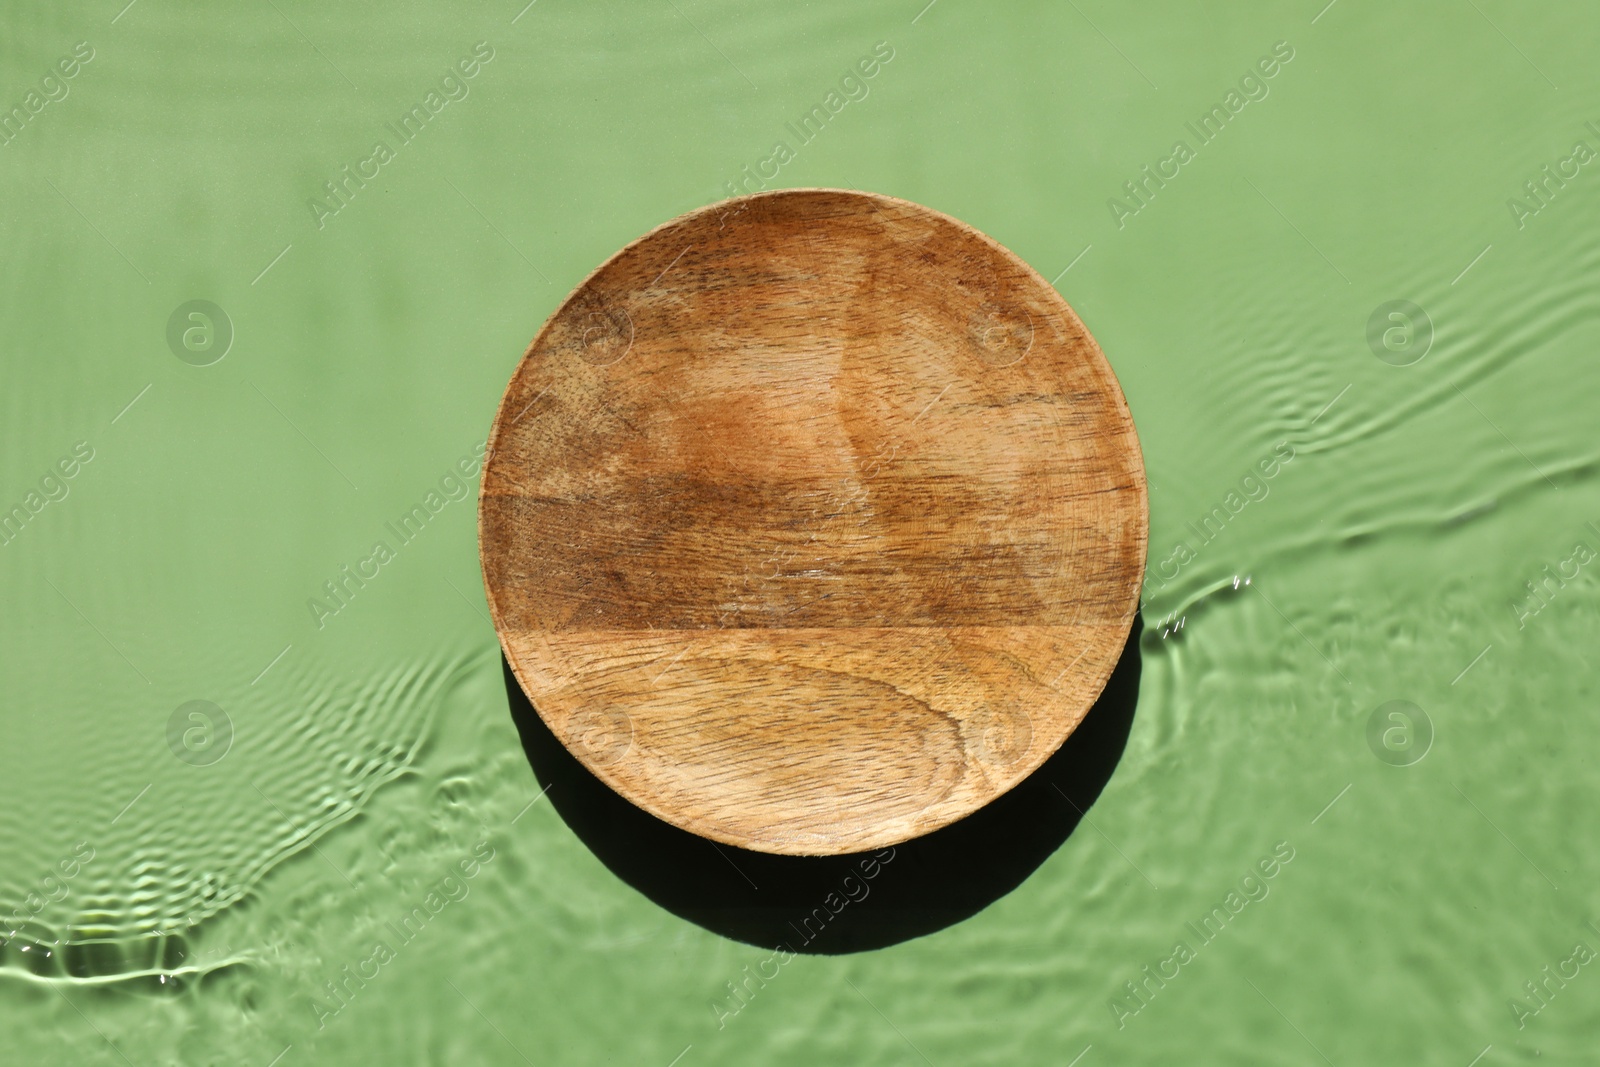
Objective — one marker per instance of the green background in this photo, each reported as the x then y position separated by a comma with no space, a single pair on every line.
1388,561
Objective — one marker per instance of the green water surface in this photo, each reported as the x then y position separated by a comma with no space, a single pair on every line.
1343,260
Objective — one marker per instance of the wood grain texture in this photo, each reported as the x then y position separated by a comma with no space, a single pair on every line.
813,521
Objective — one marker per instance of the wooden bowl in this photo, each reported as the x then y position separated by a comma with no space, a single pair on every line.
813,521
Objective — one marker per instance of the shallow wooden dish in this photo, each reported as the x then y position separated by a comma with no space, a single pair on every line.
813,521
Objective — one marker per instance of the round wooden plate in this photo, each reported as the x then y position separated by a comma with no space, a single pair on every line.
813,521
